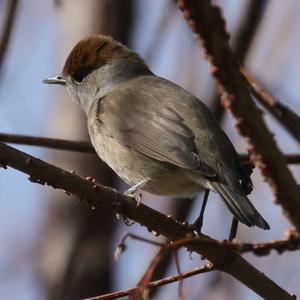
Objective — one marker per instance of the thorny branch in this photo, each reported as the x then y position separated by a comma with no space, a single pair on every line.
206,21
100,198
290,243
80,146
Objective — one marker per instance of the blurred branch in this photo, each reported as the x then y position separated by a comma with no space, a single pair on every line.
250,21
284,115
292,158
100,198
291,243
59,144
78,146
157,283
206,21
7,28
142,287
180,284
242,41
161,29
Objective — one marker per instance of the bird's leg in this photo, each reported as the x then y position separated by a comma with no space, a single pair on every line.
132,191
197,225
233,229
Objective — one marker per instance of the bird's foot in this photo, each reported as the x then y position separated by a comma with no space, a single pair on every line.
197,225
133,191
125,220
136,196
91,179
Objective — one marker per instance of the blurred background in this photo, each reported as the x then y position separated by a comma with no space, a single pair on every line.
52,247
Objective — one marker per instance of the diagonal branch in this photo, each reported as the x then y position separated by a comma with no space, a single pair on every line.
157,283
206,21
284,115
291,243
100,198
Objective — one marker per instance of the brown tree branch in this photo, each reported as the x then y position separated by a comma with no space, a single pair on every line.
59,144
284,115
100,198
80,146
145,280
180,284
157,283
7,28
292,158
291,243
206,21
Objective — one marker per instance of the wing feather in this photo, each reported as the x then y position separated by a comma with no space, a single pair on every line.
160,134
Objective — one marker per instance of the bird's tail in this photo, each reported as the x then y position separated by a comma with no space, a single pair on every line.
240,206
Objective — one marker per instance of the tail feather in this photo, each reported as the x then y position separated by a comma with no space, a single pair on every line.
240,206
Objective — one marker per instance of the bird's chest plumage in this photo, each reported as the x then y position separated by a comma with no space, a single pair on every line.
110,135
133,167
124,161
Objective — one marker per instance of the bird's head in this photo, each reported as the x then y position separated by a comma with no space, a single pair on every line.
95,66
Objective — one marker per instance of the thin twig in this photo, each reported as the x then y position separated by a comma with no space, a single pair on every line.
285,116
157,283
206,21
7,28
100,198
180,281
58,144
142,287
81,146
145,280
291,243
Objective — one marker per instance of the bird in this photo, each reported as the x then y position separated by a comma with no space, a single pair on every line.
154,134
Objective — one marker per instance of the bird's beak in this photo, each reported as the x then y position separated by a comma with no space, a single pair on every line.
55,80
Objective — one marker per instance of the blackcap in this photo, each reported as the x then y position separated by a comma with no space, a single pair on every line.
154,134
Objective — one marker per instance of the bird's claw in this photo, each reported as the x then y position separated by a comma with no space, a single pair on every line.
196,227
136,196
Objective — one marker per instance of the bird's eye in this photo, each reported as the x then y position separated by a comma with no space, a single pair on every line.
78,78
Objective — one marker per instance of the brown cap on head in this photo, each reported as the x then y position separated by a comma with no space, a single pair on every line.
93,52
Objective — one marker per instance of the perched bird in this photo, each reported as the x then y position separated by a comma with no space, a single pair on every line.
154,134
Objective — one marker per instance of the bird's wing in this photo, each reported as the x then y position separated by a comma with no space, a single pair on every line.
159,133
